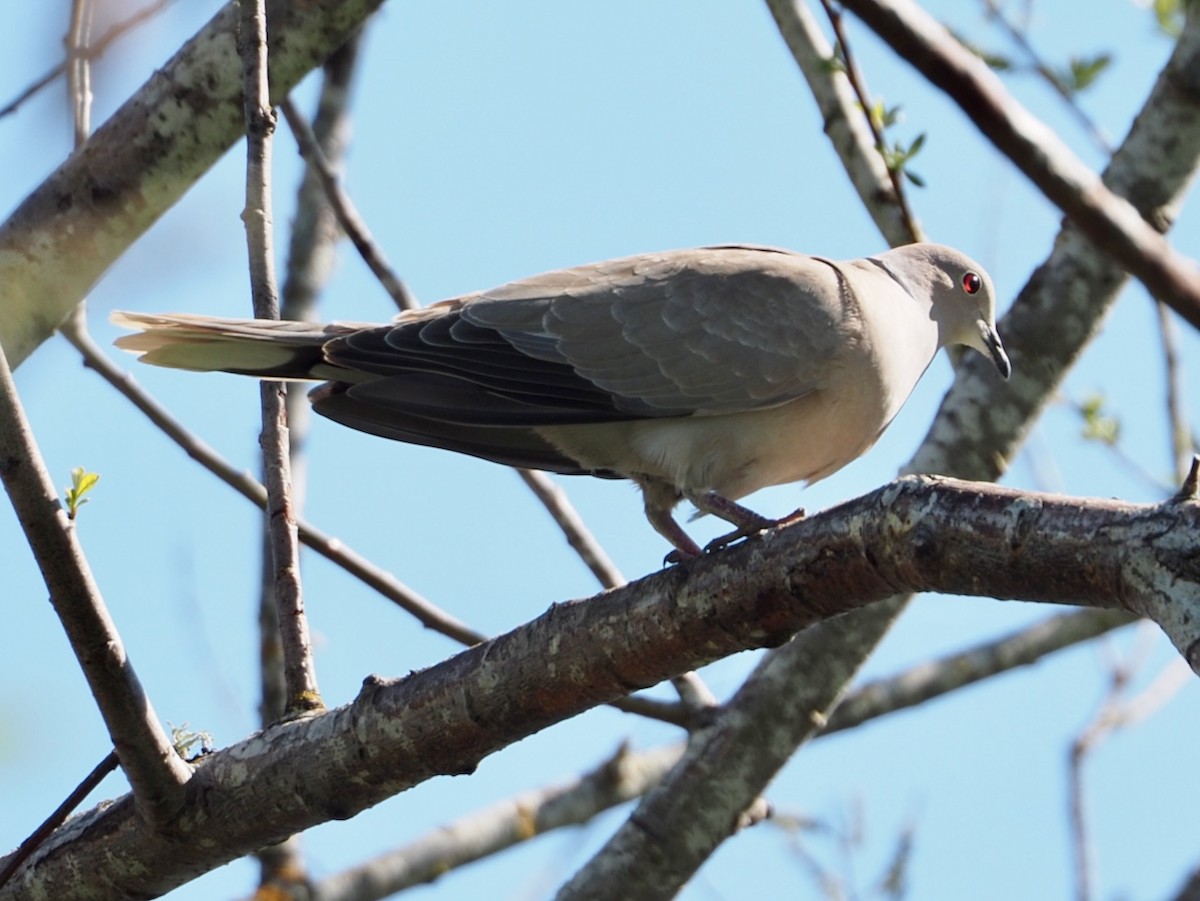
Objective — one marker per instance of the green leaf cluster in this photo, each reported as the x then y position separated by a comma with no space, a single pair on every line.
82,482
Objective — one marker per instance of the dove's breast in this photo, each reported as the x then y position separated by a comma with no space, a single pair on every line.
735,454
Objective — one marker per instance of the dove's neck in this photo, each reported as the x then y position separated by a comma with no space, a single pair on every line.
905,336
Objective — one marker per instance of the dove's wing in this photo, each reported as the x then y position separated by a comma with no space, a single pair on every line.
709,331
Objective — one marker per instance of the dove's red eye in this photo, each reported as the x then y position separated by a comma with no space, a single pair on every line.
971,282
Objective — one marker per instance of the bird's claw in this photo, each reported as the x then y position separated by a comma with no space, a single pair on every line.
749,527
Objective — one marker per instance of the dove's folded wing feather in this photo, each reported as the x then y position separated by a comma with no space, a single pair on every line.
709,331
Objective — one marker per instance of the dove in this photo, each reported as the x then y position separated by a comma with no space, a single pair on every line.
701,374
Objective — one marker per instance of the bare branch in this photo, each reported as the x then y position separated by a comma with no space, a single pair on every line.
914,534
1182,442
939,677
353,224
866,106
79,80
66,233
327,546
1106,218
156,773
94,50
311,253
492,830
299,673
578,536
1189,491
1048,75
59,816
845,124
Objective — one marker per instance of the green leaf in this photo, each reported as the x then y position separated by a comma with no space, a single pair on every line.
82,482
1084,70
897,158
1169,15
877,114
834,64
994,61
1097,424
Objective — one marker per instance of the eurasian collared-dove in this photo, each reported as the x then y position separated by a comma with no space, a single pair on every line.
701,374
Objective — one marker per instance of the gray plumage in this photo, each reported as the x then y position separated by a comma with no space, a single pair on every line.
704,374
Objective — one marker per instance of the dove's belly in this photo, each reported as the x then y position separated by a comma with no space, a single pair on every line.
733,454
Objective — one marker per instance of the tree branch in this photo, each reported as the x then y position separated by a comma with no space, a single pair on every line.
630,774
62,238
866,109
578,536
155,772
493,829
329,547
94,50
312,249
978,426
915,534
343,207
939,677
1104,216
845,123
299,673
108,765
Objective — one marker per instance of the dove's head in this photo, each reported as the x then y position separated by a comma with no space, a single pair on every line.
962,295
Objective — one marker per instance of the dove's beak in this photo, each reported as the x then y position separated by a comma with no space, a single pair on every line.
991,340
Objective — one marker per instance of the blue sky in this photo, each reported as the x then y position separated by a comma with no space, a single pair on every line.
492,142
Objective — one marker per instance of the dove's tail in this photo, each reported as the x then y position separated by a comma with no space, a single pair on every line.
276,349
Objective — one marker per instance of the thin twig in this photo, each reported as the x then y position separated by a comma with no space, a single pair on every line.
311,253
1189,491
1183,441
79,81
501,826
353,224
848,130
859,84
940,677
56,819
553,498
154,770
1107,219
93,51
1114,713
327,546
1048,75
333,549
578,536
299,671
